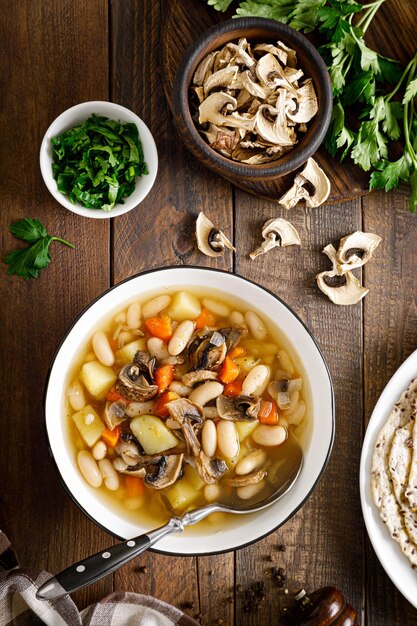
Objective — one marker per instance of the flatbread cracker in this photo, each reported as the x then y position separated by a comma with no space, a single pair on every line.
411,491
381,486
399,467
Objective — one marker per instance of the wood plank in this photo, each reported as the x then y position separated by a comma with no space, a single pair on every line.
51,59
160,232
390,335
322,542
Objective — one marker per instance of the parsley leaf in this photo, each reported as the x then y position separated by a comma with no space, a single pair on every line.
220,5
279,10
360,89
338,136
411,91
305,14
388,174
28,262
28,230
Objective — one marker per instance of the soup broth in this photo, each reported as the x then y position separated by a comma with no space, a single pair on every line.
185,398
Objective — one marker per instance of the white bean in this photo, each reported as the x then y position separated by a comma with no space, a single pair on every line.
227,439
298,415
237,318
76,396
209,437
204,393
100,450
250,462
249,491
181,337
110,476
285,361
89,468
211,493
178,387
155,306
211,412
283,422
157,348
102,348
216,307
269,435
134,409
256,381
133,315
256,325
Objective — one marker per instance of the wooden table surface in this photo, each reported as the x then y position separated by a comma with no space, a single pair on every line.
54,55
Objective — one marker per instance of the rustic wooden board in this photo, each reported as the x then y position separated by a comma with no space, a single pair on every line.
186,21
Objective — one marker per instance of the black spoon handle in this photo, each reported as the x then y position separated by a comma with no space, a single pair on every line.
92,568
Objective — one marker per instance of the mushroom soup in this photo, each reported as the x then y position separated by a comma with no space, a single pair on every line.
182,399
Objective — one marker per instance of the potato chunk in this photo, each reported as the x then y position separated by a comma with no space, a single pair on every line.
127,353
97,378
152,434
89,424
181,495
184,306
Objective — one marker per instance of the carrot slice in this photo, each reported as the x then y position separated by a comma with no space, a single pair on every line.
111,437
160,327
237,352
159,406
114,396
229,371
164,376
268,412
233,389
134,486
206,318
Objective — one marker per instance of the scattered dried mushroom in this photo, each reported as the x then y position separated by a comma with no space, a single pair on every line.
339,284
277,232
311,185
249,102
210,240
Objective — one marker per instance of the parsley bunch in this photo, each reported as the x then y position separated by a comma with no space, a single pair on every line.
360,77
28,262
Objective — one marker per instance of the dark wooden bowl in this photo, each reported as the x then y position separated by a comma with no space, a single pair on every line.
255,30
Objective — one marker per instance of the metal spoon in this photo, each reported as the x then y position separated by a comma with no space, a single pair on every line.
94,567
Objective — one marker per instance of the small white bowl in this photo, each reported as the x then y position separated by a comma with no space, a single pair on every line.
78,114
242,530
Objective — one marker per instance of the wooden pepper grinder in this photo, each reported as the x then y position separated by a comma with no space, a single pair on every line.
324,607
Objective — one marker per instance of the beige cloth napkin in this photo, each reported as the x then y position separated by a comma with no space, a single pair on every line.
19,606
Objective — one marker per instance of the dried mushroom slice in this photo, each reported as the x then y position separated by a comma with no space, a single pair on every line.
277,232
356,249
311,185
344,290
212,108
249,104
210,241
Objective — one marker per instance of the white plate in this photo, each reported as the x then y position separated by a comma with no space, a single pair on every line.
388,551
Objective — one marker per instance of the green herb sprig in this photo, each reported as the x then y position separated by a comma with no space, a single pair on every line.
28,262
360,77
96,162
